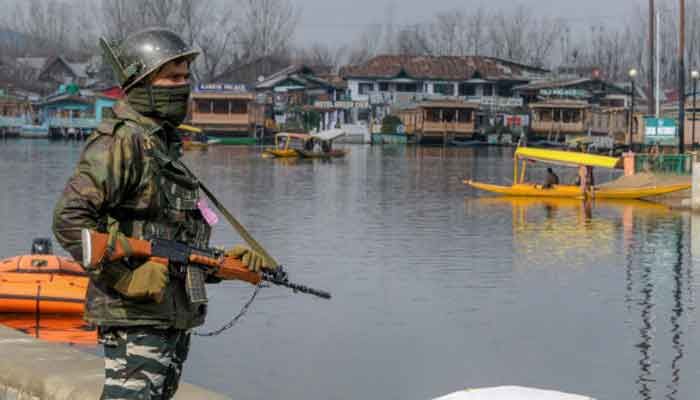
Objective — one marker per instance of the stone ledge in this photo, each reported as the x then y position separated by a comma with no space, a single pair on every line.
34,370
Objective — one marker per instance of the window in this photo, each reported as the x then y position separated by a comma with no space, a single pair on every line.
239,107
449,115
366,88
571,116
203,106
546,115
464,116
467,89
220,106
447,89
504,91
407,87
383,86
432,115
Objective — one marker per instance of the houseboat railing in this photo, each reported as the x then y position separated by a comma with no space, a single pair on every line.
7,122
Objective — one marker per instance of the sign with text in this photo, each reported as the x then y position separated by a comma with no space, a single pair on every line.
223,87
662,131
502,102
564,92
345,105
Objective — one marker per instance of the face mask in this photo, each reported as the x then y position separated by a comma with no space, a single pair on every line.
168,103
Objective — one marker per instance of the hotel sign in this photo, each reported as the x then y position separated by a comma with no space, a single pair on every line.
562,92
223,87
345,105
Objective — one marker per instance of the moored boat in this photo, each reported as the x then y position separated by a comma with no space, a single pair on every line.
42,283
572,159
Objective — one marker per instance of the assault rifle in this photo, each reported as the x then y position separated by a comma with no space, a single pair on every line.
97,249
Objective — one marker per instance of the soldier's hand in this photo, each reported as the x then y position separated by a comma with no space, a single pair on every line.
148,281
250,258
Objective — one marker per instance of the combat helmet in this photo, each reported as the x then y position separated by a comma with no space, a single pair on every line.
143,52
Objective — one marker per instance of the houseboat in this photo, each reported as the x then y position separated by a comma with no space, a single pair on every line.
553,120
232,117
439,121
14,113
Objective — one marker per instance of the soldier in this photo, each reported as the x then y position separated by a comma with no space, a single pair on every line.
129,181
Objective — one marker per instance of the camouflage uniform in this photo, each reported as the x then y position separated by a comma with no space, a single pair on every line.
129,179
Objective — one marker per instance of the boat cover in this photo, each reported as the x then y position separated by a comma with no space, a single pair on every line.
330,134
511,393
570,158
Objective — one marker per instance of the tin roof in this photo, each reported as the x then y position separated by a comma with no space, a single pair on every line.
441,68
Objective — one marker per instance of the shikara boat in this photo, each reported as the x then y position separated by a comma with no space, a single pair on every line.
303,145
524,155
321,144
42,283
287,145
195,138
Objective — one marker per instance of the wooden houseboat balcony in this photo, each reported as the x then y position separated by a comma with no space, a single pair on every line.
440,119
545,127
440,128
560,116
222,112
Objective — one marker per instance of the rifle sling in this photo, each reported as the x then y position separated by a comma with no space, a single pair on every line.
242,231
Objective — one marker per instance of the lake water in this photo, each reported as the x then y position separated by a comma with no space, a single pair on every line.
435,287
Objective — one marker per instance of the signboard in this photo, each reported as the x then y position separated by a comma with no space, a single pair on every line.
223,87
345,105
563,92
662,131
501,102
516,121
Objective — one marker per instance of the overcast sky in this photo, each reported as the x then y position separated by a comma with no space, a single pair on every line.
329,21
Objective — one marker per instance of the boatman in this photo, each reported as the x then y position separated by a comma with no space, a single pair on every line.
130,182
551,179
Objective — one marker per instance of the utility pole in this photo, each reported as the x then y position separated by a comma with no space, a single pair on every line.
652,46
681,82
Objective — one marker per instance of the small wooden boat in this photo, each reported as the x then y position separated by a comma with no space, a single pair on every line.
42,283
288,145
320,145
197,144
195,139
571,191
572,159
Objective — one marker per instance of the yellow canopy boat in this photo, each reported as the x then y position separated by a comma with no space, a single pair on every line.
195,139
572,159
287,145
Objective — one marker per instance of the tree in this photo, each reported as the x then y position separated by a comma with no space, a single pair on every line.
265,27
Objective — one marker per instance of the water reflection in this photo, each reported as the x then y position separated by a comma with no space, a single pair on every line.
564,228
67,329
658,274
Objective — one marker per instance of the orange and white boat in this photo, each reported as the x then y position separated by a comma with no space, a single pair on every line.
42,283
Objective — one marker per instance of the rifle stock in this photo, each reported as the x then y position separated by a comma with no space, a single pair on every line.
95,246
